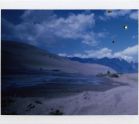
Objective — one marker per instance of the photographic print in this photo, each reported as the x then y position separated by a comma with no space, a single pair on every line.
69,62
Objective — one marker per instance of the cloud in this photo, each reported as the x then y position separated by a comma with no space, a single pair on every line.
47,28
134,15
75,27
37,16
134,37
104,52
128,54
7,29
118,13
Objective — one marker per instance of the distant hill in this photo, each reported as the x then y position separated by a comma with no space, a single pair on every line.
120,65
19,57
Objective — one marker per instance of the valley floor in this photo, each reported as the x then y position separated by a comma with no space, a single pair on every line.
122,100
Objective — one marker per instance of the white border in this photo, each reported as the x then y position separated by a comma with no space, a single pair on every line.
68,4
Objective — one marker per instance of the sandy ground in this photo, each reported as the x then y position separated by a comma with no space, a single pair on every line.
121,100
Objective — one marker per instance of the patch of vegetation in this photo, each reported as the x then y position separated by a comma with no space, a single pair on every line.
38,102
109,74
114,75
30,107
56,112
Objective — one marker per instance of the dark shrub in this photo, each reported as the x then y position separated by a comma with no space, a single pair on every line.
114,75
108,72
56,112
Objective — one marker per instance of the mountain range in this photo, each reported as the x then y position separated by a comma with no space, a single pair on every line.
120,65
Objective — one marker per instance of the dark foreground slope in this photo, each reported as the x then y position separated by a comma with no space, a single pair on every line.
19,57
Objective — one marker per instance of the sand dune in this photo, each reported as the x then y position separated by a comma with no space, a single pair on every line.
24,57
120,101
